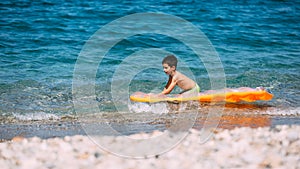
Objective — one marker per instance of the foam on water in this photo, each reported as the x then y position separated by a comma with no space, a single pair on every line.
38,116
283,112
156,108
164,107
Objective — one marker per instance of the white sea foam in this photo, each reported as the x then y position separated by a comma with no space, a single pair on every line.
156,108
162,108
284,112
35,116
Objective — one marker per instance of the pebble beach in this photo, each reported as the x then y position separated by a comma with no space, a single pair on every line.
245,147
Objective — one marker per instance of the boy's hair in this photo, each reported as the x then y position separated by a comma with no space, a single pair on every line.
171,60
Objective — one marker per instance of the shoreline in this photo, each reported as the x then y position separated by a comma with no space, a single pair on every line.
262,147
70,127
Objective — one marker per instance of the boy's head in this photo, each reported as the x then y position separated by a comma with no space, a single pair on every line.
171,60
169,64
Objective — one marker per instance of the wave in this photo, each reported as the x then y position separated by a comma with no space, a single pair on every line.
239,109
38,116
284,112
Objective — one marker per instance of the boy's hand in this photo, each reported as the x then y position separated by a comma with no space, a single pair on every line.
160,95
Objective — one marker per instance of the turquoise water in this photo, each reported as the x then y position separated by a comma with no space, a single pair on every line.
258,43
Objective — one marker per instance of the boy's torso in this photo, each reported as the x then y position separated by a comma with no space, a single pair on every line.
183,81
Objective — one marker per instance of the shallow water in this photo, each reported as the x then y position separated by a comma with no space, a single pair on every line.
232,116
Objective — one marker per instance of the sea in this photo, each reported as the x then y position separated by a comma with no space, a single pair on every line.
256,43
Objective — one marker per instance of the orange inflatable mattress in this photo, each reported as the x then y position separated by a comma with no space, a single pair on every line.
228,95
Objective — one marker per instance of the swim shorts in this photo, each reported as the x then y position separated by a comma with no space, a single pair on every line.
191,92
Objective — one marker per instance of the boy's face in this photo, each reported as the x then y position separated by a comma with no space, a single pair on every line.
168,69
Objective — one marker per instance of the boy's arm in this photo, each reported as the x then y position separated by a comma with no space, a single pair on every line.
170,86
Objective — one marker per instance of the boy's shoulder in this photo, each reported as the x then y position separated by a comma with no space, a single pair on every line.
177,75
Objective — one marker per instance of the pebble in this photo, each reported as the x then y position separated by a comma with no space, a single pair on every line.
293,136
17,139
278,147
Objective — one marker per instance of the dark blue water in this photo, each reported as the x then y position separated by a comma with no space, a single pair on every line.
258,43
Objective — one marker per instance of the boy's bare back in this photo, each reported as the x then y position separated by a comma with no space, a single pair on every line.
183,81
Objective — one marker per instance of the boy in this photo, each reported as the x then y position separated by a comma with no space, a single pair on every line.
189,87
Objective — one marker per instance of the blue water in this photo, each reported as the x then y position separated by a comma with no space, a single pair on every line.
258,43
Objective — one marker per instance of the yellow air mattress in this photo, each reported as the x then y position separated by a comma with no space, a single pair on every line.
229,95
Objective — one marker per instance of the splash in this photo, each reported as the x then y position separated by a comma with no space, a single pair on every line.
156,108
